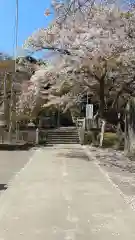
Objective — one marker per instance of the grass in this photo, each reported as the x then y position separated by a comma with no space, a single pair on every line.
111,139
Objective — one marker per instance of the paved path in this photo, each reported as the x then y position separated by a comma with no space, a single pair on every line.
60,195
10,163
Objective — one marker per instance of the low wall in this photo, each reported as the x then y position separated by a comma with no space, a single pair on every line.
30,135
26,135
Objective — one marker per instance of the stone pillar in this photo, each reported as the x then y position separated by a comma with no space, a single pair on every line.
37,136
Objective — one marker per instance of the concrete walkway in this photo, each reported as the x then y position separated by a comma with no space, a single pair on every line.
60,195
11,163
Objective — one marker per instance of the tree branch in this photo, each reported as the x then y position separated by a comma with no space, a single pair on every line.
63,51
125,85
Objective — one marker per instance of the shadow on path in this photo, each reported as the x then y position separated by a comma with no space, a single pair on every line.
75,154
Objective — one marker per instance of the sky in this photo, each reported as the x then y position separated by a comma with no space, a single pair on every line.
31,17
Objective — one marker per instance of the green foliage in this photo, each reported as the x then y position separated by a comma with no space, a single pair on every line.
42,142
91,137
88,138
110,139
42,138
126,15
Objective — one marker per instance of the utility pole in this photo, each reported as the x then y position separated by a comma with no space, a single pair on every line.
5,97
11,110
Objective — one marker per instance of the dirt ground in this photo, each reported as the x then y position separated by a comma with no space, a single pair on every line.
120,169
11,162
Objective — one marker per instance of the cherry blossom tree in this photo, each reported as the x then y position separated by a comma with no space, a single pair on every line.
99,49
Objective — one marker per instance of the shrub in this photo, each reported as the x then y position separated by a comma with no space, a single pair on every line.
110,139
91,137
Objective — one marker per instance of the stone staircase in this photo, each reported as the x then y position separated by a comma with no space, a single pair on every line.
63,135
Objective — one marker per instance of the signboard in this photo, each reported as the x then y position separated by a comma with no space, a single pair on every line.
89,111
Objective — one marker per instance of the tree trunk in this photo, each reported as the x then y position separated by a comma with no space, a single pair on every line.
130,128
102,107
102,133
102,99
120,137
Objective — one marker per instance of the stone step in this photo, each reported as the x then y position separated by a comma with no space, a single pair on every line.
62,139
62,142
62,135
57,137
62,132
